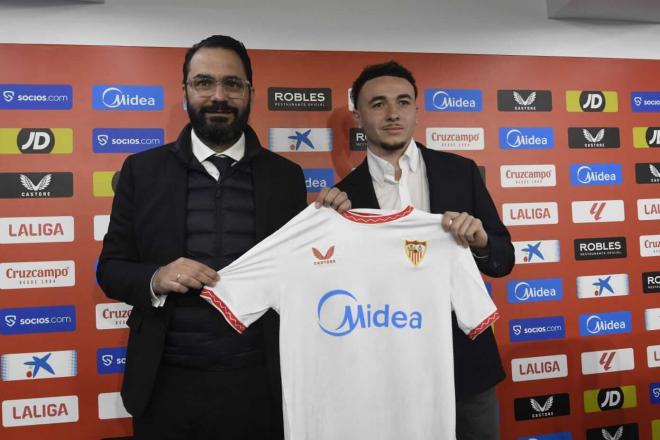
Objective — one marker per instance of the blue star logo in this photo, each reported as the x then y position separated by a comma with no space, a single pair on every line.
39,363
533,249
603,284
302,138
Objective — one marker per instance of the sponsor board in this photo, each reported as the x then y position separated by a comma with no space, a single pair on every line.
596,324
39,411
101,223
653,356
645,101
357,139
37,320
606,399
513,176
599,248
453,100
628,431
539,367
647,172
111,407
607,361
520,214
455,138
648,209
651,282
524,100
587,174
37,274
36,185
104,183
41,365
538,407
649,245
318,178
526,138
125,97
593,137
110,360
36,97
534,290
126,140
36,141
537,251
603,286
299,99
652,319
646,137
592,101
598,211
535,329
300,139
15,230
112,315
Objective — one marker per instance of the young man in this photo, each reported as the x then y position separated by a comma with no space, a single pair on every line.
399,172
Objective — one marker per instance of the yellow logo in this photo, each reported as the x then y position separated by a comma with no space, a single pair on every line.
415,251
592,101
104,183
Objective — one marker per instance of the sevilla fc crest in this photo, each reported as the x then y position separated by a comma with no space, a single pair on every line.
415,251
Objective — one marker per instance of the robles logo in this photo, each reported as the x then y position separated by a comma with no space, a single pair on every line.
299,99
340,313
123,97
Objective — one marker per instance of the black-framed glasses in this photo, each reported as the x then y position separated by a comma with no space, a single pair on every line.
232,87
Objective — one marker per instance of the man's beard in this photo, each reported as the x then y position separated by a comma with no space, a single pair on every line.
392,147
217,131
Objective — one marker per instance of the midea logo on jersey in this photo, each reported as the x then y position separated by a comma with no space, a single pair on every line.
126,140
645,101
551,327
628,431
339,313
453,100
36,97
526,138
593,324
596,174
543,289
299,99
122,97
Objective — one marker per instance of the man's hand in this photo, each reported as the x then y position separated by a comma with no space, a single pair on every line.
333,198
467,230
182,275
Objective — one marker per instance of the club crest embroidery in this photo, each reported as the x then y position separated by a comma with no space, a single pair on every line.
415,251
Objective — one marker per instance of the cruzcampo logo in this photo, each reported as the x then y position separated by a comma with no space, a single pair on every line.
592,101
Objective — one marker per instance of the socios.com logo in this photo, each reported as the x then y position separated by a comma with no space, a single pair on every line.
526,138
592,324
645,101
110,360
551,327
36,97
596,174
453,100
126,140
121,97
340,313
535,290
37,320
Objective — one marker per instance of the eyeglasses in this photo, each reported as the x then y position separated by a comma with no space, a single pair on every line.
232,87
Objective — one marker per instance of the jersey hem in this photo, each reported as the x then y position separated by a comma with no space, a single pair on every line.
223,309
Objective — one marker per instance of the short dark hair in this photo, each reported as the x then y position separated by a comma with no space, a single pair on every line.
390,68
223,42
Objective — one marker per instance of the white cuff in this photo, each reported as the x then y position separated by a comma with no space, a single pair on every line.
157,300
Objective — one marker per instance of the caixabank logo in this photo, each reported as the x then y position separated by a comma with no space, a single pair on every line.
539,368
300,140
602,286
36,97
628,431
647,172
651,282
104,183
593,137
536,329
126,140
534,290
599,248
540,407
110,360
526,138
36,141
597,324
40,411
648,209
607,399
41,365
23,185
645,101
453,100
646,137
537,251
592,101
524,100
37,320
586,174
125,97
299,99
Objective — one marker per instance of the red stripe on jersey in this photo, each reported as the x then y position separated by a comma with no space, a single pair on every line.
484,325
363,217
222,307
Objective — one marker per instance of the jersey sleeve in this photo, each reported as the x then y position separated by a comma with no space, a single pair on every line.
254,282
475,310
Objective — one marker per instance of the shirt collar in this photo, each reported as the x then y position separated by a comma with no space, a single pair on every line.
203,151
382,170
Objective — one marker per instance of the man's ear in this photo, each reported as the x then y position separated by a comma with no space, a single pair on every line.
356,118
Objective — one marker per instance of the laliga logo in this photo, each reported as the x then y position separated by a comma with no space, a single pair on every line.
356,315
107,359
517,140
116,100
102,139
638,101
10,320
8,95
445,100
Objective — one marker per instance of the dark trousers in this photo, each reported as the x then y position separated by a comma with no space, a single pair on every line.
191,404
477,417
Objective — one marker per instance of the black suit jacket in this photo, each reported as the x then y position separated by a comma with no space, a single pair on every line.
147,230
456,185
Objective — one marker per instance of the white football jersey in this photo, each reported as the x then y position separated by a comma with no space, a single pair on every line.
365,300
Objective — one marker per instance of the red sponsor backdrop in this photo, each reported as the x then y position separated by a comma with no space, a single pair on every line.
86,66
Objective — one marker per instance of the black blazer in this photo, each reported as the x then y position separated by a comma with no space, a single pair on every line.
147,230
455,184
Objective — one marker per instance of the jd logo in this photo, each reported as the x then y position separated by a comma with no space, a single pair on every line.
653,136
8,95
592,101
610,398
35,140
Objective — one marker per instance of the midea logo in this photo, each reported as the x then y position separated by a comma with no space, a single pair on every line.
355,315
113,98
